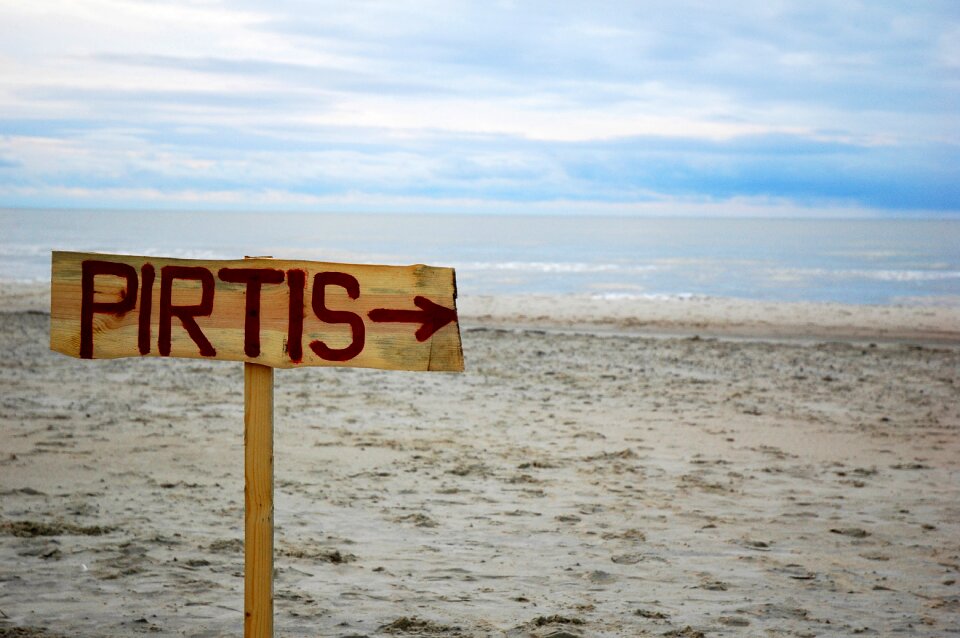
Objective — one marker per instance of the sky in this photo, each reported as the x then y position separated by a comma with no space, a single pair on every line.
767,107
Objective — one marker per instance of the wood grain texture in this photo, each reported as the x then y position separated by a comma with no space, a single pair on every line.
388,344
258,495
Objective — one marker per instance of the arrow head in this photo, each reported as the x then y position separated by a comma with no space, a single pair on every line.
434,317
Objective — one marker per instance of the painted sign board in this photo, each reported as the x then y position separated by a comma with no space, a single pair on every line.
273,312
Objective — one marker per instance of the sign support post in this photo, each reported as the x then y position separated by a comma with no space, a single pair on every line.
258,501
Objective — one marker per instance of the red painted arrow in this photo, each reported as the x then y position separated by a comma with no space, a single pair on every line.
432,316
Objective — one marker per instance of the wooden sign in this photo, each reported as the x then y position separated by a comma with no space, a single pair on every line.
267,313
275,313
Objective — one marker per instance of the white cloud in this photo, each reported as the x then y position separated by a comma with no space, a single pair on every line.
385,96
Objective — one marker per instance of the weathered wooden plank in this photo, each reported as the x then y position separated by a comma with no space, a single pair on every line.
309,313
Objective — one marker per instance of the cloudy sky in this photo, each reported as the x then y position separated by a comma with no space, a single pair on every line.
693,107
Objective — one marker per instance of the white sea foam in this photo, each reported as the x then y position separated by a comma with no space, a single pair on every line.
877,275
44,251
24,250
25,280
556,267
629,296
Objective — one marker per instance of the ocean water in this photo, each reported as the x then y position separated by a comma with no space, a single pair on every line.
895,261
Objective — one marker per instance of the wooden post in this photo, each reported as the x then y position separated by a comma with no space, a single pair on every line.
258,495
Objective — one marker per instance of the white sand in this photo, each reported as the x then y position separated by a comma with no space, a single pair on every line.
607,476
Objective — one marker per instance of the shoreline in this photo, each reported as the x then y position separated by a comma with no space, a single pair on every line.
715,317
705,317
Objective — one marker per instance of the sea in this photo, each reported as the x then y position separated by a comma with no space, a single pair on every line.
854,261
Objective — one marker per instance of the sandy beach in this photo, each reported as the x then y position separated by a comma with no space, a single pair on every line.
604,467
